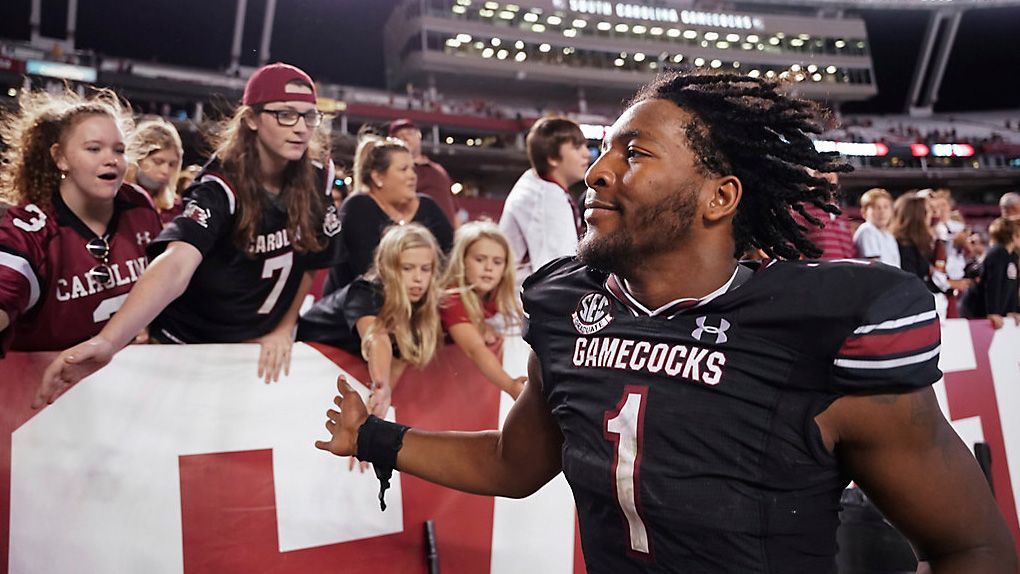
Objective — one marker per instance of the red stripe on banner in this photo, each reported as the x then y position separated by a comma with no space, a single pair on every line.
229,510
879,345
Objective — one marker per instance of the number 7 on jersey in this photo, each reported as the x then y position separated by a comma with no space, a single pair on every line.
624,427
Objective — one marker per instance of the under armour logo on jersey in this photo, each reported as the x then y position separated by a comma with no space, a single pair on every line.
593,313
143,237
719,332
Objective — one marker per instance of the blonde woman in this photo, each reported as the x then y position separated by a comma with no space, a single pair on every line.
390,315
157,152
384,184
480,284
72,242
236,265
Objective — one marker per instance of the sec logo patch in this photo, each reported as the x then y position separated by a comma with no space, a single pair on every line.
594,312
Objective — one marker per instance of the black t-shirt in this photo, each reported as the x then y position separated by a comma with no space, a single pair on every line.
995,292
233,295
364,222
333,319
689,435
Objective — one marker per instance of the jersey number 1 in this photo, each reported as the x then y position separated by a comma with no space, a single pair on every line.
624,426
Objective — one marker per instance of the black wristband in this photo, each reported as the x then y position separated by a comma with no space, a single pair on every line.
378,443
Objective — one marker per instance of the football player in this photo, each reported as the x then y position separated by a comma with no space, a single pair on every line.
708,413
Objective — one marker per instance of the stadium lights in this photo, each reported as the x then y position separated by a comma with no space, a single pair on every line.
747,45
348,180
716,63
804,36
579,23
513,7
689,34
840,44
449,140
830,70
816,77
678,58
639,29
479,45
639,57
655,31
521,56
754,73
507,15
452,43
488,52
538,28
604,26
770,74
699,62
496,42
502,54
774,41
752,39
530,17
918,150
855,149
952,150
544,48
464,2
653,65
458,9
795,68
492,6
736,64
622,28
796,42
457,187
554,20
570,33
486,13
619,62
464,38
722,45
711,36
732,37
812,68
519,44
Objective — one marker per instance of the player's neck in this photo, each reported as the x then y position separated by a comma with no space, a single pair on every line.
667,277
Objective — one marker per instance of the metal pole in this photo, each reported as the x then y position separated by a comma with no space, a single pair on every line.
34,21
72,19
235,48
267,32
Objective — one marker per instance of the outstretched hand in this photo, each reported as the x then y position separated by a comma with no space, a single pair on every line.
72,366
343,424
274,355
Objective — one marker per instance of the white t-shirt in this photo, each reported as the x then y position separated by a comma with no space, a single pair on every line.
956,260
539,223
870,241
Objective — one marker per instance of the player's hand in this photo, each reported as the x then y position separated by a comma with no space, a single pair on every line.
517,387
996,320
343,424
72,366
275,354
380,399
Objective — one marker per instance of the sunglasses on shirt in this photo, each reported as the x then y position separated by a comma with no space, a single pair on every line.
101,274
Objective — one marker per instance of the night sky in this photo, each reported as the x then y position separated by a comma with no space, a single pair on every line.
340,41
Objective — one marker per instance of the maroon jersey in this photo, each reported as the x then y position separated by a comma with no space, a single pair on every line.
44,287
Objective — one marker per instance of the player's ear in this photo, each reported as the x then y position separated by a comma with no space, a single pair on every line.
724,199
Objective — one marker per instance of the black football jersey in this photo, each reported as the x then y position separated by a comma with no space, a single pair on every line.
236,295
689,435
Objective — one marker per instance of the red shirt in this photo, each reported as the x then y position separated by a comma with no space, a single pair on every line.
836,239
434,182
452,311
44,289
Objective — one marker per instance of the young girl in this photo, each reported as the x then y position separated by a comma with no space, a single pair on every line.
390,315
72,243
236,265
157,153
480,282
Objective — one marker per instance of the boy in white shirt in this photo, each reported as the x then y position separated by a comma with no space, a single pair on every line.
872,240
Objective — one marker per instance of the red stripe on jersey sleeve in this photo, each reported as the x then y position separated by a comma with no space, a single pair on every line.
879,344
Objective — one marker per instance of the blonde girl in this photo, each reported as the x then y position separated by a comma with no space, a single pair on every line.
156,152
390,315
480,284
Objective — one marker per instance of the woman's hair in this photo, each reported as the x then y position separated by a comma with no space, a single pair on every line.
414,326
28,172
154,135
910,222
507,303
1003,230
236,149
374,153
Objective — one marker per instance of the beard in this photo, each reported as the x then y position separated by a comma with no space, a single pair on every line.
656,228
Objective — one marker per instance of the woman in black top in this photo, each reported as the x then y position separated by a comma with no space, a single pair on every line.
911,214
385,183
995,293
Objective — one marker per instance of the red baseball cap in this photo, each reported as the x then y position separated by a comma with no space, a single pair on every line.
269,84
399,124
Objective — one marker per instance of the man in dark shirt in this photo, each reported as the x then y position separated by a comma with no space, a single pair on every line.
708,413
433,180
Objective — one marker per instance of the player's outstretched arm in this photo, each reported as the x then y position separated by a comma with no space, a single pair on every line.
514,462
164,280
902,452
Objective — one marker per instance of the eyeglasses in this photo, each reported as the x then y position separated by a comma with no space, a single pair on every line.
289,118
101,274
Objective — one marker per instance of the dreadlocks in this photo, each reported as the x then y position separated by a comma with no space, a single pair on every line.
747,127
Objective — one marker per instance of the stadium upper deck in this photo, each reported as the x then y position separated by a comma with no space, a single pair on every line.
598,50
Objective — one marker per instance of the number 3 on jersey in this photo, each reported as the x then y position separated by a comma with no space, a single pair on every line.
624,427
